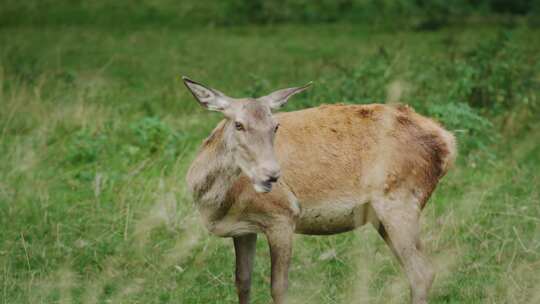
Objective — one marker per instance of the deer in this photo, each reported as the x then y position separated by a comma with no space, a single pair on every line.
317,171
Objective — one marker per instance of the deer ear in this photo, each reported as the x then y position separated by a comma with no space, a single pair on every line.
280,97
209,98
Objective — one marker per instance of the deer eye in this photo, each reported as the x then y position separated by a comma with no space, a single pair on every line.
239,126
276,128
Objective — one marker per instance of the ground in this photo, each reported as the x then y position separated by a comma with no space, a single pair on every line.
97,132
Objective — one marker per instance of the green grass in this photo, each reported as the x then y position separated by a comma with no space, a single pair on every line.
97,131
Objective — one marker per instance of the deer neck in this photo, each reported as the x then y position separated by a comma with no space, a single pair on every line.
213,172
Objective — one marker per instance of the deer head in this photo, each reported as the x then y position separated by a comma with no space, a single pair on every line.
250,129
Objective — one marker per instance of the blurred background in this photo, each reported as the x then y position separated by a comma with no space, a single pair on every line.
391,14
97,132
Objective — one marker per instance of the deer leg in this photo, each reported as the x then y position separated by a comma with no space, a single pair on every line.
280,242
244,247
400,230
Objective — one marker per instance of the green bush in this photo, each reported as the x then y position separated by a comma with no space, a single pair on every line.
84,147
495,76
151,135
520,7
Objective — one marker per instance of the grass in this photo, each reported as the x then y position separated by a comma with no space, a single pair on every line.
96,133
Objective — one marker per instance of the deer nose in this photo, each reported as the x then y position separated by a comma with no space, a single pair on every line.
273,179
272,174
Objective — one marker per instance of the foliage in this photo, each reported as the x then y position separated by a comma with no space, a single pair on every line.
417,14
153,135
85,147
97,133
496,77
305,11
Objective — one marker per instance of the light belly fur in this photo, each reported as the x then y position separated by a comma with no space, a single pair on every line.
334,217
314,219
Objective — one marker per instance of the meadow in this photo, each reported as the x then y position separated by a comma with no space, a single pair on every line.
97,132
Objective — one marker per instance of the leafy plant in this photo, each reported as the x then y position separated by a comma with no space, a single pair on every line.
151,135
85,147
495,76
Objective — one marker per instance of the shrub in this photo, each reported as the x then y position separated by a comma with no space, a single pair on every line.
151,135
496,76
84,147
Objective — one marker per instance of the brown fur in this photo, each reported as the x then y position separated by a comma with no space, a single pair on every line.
325,160
354,152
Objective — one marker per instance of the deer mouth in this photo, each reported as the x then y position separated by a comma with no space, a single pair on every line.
263,187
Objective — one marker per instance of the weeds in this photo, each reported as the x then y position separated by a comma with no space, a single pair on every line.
85,147
151,135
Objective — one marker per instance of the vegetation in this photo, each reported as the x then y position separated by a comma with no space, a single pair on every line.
412,14
97,132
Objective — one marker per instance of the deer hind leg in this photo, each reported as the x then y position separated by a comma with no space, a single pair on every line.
400,230
244,247
280,243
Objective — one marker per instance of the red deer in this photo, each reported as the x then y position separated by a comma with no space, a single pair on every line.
317,171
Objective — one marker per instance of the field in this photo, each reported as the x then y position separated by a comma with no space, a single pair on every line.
97,132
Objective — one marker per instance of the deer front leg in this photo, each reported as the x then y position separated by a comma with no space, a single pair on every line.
280,242
244,247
